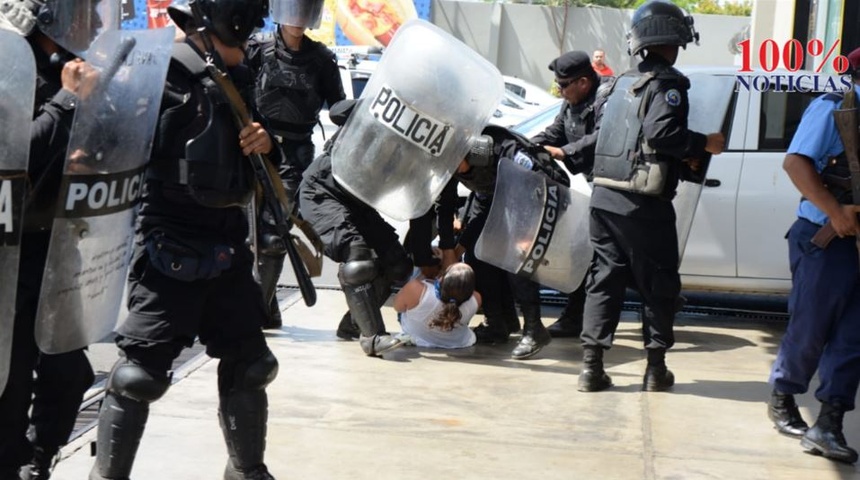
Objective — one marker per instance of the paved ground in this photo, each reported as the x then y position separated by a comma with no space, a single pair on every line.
476,414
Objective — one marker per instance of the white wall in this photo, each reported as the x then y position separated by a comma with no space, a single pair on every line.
521,40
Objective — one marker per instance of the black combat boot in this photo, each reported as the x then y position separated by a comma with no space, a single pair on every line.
374,340
826,438
274,321
242,416
782,411
347,329
569,323
40,465
491,332
535,336
657,377
593,378
121,424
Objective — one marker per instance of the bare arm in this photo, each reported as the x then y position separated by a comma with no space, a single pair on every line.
408,296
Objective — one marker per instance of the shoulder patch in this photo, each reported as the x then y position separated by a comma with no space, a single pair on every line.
673,97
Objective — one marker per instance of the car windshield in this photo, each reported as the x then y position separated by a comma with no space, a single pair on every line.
535,124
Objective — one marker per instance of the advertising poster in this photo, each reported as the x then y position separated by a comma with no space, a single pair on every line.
345,22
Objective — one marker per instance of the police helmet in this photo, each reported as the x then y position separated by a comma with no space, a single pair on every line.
72,25
660,22
232,21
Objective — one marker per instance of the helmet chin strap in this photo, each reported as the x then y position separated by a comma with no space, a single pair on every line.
199,19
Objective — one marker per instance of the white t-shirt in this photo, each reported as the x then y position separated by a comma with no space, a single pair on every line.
416,322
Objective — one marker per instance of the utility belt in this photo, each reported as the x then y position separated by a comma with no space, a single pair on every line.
208,186
187,259
290,131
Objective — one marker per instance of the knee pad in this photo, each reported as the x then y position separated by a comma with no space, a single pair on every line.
130,380
357,272
248,375
271,245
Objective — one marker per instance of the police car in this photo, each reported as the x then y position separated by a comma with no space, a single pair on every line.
736,242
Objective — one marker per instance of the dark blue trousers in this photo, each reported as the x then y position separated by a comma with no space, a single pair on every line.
824,330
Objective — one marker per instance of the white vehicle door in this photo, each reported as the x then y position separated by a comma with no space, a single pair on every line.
767,199
710,249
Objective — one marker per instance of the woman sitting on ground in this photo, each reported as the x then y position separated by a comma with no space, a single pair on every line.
436,312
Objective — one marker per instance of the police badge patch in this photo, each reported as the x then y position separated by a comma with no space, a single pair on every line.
673,97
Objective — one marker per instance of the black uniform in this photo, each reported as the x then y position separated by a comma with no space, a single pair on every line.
61,380
369,252
191,275
291,89
633,233
574,130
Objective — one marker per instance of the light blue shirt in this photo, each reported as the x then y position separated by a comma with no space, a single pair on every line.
818,139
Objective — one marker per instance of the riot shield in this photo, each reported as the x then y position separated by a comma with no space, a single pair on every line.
94,223
710,96
17,89
537,228
430,95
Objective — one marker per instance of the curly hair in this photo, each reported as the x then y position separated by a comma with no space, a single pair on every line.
454,287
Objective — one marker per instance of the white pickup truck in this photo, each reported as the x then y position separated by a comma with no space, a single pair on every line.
736,242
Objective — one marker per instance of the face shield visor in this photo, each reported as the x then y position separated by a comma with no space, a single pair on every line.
297,13
75,24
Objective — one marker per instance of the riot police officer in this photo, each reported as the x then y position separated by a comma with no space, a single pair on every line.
356,236
571,139
62,379
632,224
296,76
191,272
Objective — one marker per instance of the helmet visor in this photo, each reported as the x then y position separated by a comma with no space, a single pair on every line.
297,13
74,25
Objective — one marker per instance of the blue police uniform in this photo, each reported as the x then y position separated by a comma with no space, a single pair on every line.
824,331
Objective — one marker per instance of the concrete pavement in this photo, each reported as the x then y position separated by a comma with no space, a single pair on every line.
476,414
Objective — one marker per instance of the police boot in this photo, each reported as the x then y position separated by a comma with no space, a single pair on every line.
783,412
242,416
593,378
826,438
535,336
490,333
657,377
347,329
121,424
40,465
569,323
374,340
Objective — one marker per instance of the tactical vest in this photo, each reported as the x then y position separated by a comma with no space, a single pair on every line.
287,92
214,171
623,160
836,175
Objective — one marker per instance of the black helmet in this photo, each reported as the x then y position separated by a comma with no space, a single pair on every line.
660,22
71,24
232,21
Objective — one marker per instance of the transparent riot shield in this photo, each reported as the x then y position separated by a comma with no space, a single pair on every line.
17,89
710,97
430,95
93,227
537,228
